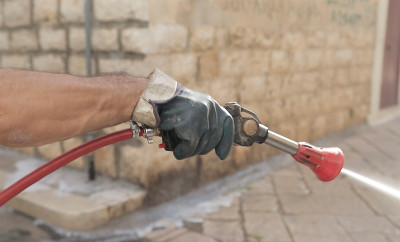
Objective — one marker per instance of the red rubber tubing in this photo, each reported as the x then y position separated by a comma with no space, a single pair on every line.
62,160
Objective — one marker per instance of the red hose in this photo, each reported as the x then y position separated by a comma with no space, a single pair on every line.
62,160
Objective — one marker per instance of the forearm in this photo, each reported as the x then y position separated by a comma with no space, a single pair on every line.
38,108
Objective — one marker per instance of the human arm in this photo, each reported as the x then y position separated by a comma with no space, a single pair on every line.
38,108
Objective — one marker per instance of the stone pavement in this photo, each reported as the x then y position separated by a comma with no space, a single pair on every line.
291,204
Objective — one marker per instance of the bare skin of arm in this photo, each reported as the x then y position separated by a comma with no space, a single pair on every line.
38,108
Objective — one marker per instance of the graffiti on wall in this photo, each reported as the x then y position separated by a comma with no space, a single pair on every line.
353,12
288,12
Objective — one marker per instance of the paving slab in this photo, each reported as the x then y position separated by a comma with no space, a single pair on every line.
18,227
327,228
266,227
368,224
66,198
224,230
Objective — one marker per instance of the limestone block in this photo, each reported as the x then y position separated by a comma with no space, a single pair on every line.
45,11
4,42
105,161
259,63
365,75
76,212
17,13
184,67
155,39
121,10
77,39
368,57
201,85
316,39
293,41
335,39
363,39
253,88
297,106
50,151
234,62
224,90
314,59
77,65
145,163
328,60
221,38
28,151
287,84
299,60
24,39
119,201
287,129
52,39
242,37
263,40
208,65
70,144
49,63
324,103
107,65
273,86
305,82
116,128
15,61
342,77
344,57
326,78
140,68
279,61
73,11
320,127
202,38
105,39
303,130
275,109
338,120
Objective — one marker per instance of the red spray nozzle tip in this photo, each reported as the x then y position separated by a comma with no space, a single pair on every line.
326,163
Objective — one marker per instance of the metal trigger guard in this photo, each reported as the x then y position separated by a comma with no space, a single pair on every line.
247,129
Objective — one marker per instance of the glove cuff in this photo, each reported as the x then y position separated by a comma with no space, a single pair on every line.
161,88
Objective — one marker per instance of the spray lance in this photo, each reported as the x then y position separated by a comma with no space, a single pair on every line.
326,163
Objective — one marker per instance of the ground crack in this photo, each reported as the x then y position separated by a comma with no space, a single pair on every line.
242,220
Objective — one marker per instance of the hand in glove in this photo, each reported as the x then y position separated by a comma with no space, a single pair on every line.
193,122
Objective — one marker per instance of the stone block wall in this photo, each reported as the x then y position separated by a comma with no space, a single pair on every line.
303,66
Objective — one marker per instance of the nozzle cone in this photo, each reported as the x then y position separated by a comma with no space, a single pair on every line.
326,163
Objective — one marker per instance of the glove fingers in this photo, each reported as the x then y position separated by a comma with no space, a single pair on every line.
183,150
224,147
212,134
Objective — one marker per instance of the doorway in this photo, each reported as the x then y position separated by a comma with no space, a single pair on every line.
391,60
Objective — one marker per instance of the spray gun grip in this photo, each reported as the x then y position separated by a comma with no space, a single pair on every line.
248,130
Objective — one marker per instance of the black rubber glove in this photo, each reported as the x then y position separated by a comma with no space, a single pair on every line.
194,123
